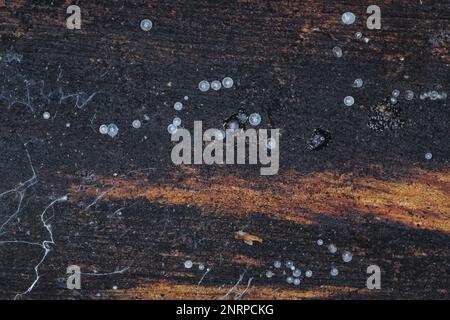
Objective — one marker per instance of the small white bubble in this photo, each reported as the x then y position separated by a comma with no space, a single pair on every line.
297,273
332,248
358,83
178,106
396,93
289,264
334,272
358,35
103,129
146,25
269,274
188,264
186,98
434,95
201,267
136,124
349,101
393,100
347,256
114,287
348,18
216,85
308,274
296,281
204,86
227,82
254,119
46,115
277,264
113,130
428,155
289,280
319,242
176,121
337,52
172,128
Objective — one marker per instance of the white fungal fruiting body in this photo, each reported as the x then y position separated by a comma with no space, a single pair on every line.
319,242
308,274
46,115
428,156
176,121
277,264
395,93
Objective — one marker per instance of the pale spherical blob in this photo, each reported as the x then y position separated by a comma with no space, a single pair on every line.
334,272
201,267
188,264
136,124
269,274
172,128
319,242
227,82
297,273
349,101
216,85
46,115
277,264
297,281
348,18
347,256
289,280
332,248
428,155
103,129
396,93
204,86
358,83
146,25
254,119
337,52
308,274
113,130
178,106
176,121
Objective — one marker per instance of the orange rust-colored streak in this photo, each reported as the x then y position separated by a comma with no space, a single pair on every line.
421,200
174,291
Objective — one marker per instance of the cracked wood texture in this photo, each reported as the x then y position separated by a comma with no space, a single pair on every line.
132,218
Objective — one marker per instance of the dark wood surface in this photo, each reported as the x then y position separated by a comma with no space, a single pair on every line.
372,193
